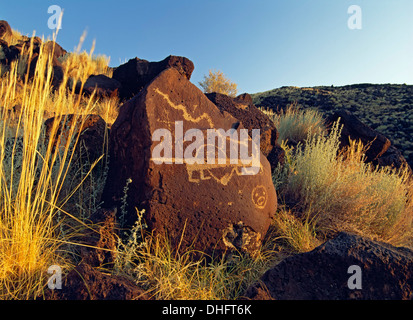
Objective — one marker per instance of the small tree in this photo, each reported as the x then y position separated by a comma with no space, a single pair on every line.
218,82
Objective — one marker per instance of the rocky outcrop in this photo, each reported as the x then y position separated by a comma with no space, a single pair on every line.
137,73
346,267
12,53
53,47
205,205
393,158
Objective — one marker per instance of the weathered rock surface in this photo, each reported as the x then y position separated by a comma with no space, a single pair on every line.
57,72
137,73
393,158
100,242
214,204
323,274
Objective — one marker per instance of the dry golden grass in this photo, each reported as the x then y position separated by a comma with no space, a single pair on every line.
32,174
166,274
346,194
295,124
14,38
81,65
297,234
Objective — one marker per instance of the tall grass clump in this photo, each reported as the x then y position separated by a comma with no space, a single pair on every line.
32,172
295,124
166,273
81,65
297,234
346,194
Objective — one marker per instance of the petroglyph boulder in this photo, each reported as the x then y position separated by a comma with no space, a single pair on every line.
193,168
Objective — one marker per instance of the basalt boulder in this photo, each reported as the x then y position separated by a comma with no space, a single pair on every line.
4,52
380,152
354,129
57,72
104,86
250,117
348,267
159,162
137,73
5,29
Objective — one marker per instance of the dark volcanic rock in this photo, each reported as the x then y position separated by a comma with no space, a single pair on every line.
354,129
57,73
393,158
217,205
5,29
137,73
105,86
4,52
380,153
323,274
251,118
245,97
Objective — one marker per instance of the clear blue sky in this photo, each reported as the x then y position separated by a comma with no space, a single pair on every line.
260,44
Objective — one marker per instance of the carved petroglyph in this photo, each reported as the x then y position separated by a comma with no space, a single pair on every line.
259,196
207,171
186,115
220,155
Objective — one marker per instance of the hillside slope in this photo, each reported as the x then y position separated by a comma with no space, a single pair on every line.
387,108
